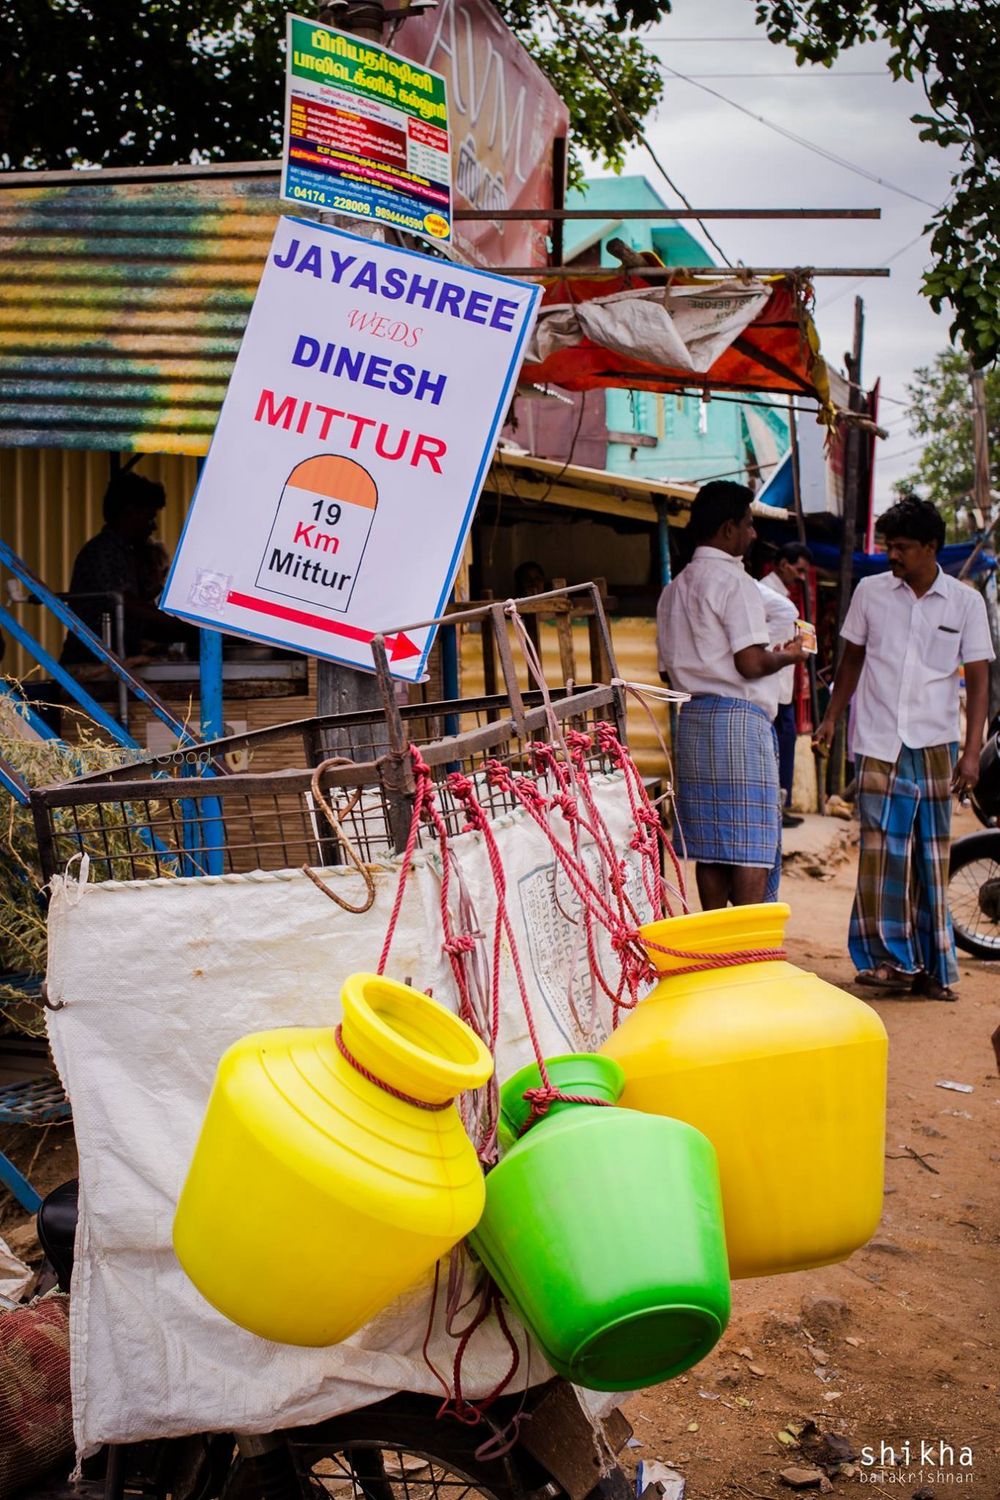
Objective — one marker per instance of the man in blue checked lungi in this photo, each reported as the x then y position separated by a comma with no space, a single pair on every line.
712,641
905,637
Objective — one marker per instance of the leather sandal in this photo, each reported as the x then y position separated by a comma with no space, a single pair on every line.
932,989
886,977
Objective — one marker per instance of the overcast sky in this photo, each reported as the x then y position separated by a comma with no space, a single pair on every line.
720,157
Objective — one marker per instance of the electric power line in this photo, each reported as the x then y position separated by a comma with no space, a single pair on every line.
665,37
903,452
823,77
828,301
800,140
627,117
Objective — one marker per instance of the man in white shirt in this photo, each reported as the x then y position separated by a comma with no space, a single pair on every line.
906,635
791,571
713,643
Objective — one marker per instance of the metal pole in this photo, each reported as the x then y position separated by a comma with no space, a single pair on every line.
663,542
666,576
558,214
119,603
210,672
807,609
665,273
852,482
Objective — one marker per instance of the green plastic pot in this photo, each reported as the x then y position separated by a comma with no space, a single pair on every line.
603,1229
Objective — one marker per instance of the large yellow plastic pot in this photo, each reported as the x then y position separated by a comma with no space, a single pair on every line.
314,1196
784,1073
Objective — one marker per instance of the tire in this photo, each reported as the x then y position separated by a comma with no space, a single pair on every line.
395,1450
398,1450
974,894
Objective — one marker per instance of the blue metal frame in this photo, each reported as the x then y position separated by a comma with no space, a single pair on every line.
93,642
65,679
27,713
15,783
213,726
19,1185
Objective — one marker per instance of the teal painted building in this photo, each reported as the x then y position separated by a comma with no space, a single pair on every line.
668,437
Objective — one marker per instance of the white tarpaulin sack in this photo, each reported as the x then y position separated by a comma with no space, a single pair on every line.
683,327
155,979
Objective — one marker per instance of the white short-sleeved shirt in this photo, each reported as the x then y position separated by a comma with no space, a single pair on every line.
782,618
908,690
710,612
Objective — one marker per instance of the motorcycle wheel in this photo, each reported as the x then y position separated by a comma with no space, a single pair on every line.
974,894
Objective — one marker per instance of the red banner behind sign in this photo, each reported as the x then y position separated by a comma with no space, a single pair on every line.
504,115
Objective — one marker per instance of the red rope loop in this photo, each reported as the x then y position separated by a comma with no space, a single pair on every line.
542,1100
702,963
380,1083
471,1413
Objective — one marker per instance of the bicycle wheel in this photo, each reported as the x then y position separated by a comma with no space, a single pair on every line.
974,894
400,1451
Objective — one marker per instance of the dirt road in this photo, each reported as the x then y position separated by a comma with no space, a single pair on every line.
898,1345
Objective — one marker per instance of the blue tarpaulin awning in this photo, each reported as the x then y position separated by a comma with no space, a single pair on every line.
952,559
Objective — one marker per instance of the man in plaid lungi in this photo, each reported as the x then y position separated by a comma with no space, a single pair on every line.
906,634
713,642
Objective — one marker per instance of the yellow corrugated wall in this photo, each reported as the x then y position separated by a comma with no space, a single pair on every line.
634,641
50,503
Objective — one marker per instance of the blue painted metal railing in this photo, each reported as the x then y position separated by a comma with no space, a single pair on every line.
94,644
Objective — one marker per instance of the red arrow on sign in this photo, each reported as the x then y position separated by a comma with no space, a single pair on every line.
398,646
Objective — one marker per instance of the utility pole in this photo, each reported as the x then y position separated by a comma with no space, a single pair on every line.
983,501
980,446
852,486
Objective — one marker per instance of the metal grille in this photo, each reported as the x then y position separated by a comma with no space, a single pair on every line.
188,814
197,811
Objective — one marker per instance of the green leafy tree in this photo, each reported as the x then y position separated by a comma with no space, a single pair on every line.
941,411
134,82
954,50
146,82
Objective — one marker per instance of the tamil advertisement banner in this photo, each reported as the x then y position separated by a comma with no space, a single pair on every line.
351,447
505,118
366,132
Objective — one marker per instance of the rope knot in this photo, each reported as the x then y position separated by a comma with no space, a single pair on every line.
625,939
463,790
542,1100
460,785
420,767
567,805
528,794
498,775
463,942
542,755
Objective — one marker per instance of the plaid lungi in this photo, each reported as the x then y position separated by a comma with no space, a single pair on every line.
900,913
728,799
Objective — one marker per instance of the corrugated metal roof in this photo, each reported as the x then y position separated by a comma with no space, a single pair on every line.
122,304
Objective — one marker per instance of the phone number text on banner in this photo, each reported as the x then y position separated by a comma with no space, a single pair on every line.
366,132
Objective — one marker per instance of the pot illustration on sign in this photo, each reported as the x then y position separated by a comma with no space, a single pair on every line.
320,531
